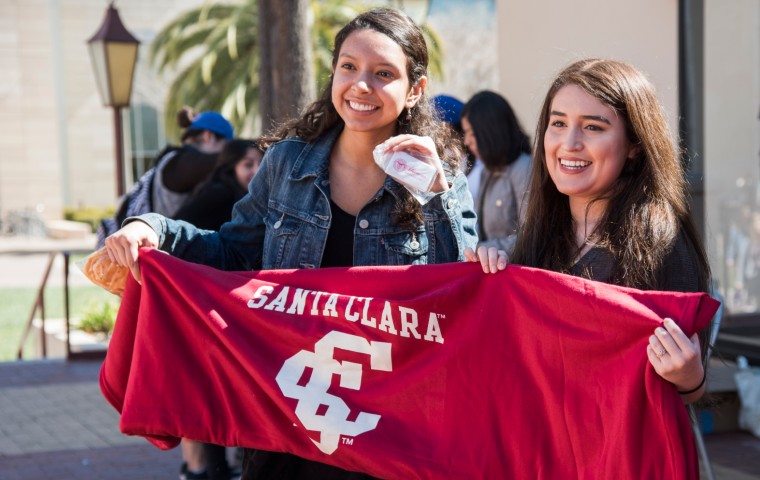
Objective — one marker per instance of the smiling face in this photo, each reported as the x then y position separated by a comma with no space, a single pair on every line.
370,84
585,144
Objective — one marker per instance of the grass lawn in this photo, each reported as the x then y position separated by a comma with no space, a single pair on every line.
16,305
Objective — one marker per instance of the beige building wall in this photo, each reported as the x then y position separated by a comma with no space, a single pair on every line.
28,176
732,106
732,145
538,38
56,138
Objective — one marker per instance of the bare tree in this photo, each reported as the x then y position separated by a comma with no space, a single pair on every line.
286,68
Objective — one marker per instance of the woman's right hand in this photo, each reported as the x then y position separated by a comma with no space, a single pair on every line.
490,258
124,244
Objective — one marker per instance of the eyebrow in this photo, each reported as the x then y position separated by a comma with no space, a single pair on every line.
356,57
597,118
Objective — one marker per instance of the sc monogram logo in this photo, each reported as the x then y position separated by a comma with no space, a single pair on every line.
334,422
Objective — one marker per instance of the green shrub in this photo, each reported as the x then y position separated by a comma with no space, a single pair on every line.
90,215
99,318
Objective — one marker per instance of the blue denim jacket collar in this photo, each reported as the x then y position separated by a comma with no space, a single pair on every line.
315,156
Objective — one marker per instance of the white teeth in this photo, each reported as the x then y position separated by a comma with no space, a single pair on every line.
362,107
574,163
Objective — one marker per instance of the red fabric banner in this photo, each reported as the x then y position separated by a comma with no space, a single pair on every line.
436,371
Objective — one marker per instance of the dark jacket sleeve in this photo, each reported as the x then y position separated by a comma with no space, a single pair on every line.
187,169
209,208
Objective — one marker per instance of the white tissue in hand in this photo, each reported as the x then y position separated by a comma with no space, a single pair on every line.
406,169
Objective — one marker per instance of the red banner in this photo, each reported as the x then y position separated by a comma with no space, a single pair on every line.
436,371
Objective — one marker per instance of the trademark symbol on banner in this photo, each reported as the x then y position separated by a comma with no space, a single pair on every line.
347,440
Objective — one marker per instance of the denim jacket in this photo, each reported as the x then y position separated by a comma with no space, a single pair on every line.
283,220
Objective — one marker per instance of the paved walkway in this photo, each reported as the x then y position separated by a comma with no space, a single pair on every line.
55,424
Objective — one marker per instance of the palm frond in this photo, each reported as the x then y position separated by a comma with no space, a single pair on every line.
173,40
435,51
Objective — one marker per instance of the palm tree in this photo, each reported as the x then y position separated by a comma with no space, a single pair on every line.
215,47
286,69
216,50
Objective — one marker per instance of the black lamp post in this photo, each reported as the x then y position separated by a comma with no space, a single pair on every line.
113,51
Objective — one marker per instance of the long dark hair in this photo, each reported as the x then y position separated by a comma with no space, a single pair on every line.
647,207
321,115
500,138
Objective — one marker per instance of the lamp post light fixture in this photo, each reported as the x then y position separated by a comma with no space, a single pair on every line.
113,51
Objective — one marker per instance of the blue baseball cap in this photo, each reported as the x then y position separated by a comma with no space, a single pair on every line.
213,122
449,109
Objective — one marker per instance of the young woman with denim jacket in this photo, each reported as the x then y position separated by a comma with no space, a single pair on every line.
319,199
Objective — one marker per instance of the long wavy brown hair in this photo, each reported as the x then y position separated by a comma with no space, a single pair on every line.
321,115
648,205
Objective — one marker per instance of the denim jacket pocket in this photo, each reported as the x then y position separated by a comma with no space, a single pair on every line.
406,248
281,233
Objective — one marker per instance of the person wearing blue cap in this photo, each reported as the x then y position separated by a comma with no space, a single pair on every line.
166,186
449,110
180,170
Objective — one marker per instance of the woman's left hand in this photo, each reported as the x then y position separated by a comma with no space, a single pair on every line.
422,148
677,358
491,259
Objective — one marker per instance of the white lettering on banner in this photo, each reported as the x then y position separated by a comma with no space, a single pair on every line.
392,317
333,422
260,296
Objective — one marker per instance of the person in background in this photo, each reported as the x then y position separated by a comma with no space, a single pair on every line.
320,200
493,135
208,208
608,201
177,173
211,204
180,170
450,111
164,187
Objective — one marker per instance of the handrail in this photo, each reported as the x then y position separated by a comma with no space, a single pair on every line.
39,304
52,250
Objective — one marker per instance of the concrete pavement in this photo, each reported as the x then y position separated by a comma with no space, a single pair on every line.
55,424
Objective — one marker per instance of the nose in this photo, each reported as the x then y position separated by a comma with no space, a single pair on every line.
572,141
362,83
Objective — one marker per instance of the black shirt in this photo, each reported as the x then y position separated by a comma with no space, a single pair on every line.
339,249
